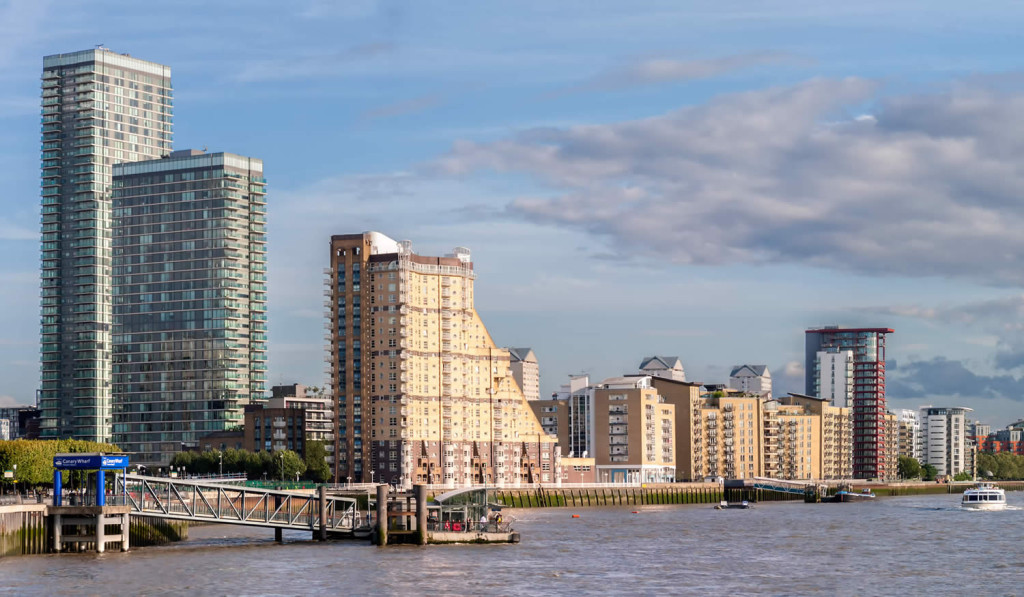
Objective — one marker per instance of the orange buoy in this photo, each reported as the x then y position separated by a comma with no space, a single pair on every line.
575,515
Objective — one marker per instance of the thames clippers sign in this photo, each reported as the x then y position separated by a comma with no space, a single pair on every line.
89,462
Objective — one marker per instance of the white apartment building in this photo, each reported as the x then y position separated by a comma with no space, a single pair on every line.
944,442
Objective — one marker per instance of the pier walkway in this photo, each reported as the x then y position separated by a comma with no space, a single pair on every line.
203,501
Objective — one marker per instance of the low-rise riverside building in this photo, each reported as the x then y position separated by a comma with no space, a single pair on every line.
579,470
640,426
831,450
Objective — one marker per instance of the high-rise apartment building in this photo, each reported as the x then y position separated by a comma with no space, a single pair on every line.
753,379
870,456
526,371
189,298
422,393
99,108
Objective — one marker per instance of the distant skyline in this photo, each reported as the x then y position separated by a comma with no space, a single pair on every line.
702,182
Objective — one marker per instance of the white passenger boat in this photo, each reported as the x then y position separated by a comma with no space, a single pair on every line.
984,497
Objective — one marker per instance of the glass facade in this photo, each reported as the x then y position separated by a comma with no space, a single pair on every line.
189,299
99,108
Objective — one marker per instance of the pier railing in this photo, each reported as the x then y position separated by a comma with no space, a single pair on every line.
187,499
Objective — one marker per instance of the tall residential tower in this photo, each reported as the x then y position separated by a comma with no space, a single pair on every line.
99,108
190,299
423,395
870,449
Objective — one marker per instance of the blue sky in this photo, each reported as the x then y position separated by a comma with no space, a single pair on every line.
695,179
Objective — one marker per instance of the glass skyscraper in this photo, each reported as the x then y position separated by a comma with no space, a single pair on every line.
99,108
189,299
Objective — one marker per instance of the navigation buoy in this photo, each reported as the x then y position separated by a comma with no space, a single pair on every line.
575,515
636,512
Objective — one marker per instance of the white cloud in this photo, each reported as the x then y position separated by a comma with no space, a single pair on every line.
930,187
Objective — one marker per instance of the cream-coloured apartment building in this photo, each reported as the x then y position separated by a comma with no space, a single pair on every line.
634,432
526,371
832,437
422,393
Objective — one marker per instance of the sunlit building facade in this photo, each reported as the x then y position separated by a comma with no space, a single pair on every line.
422,393
99,108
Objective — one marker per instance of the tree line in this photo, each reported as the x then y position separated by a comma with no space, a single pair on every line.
34,458
282,465
1002,465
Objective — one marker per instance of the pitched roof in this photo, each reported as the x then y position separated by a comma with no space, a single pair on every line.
657,362
523,354
758,370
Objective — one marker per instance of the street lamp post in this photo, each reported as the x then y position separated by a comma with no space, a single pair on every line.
221,455
282,467
371,476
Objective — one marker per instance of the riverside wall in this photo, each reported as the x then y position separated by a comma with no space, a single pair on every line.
646,495
699,493
26,529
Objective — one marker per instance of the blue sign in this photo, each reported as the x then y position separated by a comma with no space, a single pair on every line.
89,462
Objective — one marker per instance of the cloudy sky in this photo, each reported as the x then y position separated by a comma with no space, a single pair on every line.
696,179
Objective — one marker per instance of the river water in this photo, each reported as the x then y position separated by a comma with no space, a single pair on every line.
922,545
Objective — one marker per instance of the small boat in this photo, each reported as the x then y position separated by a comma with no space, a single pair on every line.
844,496
724,505
984,496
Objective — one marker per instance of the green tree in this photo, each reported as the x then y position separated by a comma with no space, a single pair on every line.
317,469
964,476
928,472
292,464
909,468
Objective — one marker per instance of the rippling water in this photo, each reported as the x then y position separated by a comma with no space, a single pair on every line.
908,545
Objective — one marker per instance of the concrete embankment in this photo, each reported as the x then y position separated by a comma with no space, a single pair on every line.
925,488
698,493
648,494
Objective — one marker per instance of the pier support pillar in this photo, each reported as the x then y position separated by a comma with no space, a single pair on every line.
56,530
420,492
125,531
382,515
323,513
101,533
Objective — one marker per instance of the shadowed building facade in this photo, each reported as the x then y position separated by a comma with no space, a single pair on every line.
189,299
422,393
99,108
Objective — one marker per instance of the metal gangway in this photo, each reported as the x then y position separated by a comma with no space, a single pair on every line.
203,501
782,485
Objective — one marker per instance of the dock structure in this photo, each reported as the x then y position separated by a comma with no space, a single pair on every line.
200,501
460,516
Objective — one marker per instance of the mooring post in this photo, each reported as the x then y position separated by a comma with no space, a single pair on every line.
420,492
382,515
278,532
323,513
